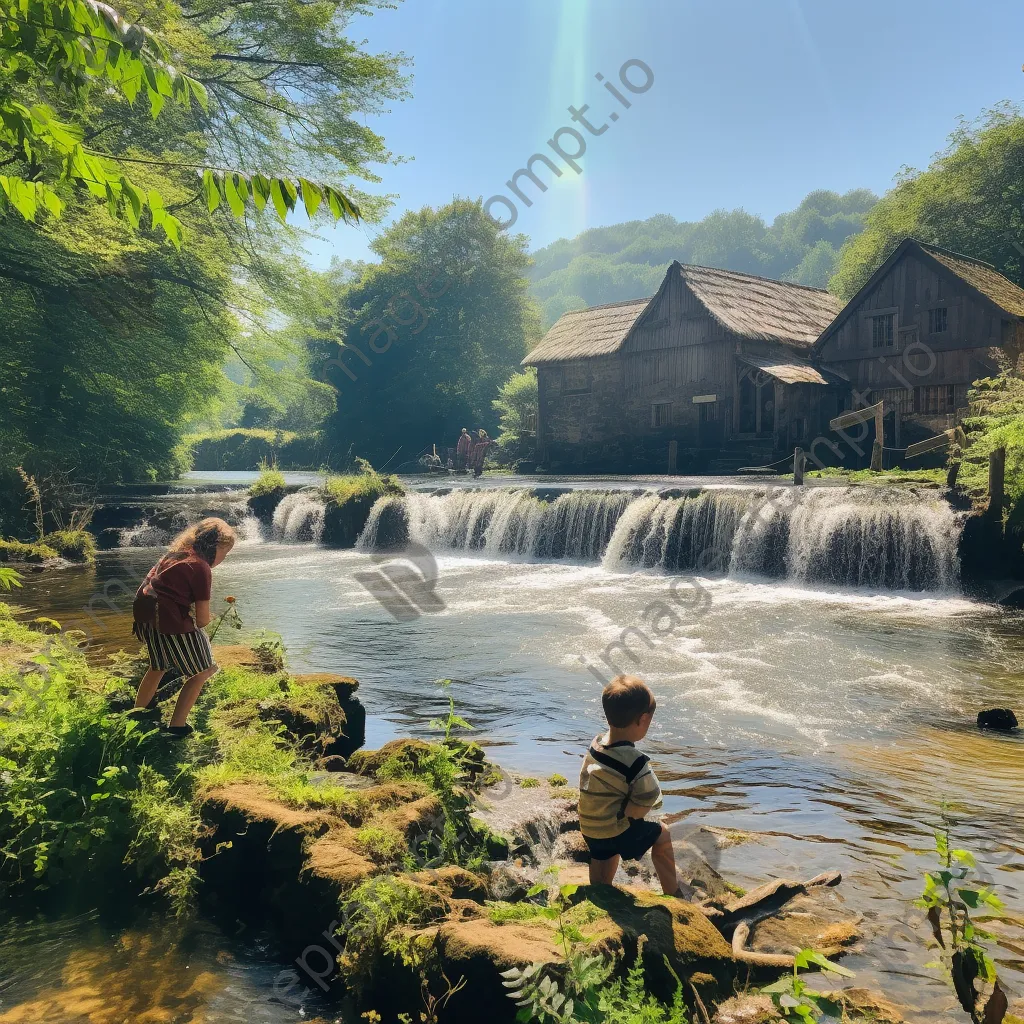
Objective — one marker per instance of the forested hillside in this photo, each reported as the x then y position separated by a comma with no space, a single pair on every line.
627,261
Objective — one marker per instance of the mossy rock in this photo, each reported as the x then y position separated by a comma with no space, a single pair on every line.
74,545
32,554
408,753
237,656
344,686
264,505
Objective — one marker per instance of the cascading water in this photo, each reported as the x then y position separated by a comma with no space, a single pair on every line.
577,525
845,536
299,517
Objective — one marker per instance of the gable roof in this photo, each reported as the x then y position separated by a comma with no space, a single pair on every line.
585,333
752,307
792,370
980,277
761,309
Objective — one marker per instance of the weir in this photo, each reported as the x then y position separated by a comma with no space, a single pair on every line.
896,539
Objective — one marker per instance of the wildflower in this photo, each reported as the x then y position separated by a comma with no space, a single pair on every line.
230,600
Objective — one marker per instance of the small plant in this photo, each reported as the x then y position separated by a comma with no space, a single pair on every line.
556,781
529,783
451,721
35,498
230,615
964,957
269,651
796,1000
382,844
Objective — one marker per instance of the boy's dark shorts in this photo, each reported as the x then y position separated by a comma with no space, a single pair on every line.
631,845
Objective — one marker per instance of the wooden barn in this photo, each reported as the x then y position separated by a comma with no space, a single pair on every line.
925,327
717,362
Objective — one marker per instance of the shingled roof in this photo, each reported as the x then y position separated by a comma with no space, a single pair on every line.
750,307
761,309
585,333
982,277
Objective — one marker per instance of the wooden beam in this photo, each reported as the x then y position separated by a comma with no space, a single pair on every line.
799,461
855,416
932,444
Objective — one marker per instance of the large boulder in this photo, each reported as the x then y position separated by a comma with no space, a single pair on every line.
999,719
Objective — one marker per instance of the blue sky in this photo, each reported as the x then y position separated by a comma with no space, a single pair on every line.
754,103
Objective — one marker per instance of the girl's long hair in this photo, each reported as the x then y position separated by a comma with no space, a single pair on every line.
203,538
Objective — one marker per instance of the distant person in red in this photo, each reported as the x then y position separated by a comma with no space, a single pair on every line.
165,623
479,451
462,451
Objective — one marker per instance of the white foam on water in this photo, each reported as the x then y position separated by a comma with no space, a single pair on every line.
299,517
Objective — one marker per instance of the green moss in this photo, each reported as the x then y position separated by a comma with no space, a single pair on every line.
74,545
16,551
340,490
382,843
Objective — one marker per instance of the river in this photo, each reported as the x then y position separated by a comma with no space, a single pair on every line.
817,667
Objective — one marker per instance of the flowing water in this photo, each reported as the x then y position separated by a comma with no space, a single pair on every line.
817,668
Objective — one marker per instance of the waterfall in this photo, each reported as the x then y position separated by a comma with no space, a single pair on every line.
889,538
144,535
576,525
299,517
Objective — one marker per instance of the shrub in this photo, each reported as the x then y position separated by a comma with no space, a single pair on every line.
74,545
244,449
557,781
271,481
529,783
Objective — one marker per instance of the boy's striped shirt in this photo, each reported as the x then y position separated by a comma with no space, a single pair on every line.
611,777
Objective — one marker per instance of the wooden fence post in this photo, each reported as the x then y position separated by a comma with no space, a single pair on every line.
876,448
798,467
996,481
673,456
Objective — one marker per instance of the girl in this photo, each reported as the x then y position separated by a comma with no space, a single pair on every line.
163,620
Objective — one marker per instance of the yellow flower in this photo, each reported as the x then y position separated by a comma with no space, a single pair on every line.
372,1016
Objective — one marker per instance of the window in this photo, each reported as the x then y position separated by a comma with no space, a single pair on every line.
935,400
898,399
708,412
938,320
576,379
883,330
661,415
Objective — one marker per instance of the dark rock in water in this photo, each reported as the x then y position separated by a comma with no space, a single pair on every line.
1014,599
263,505
1000,719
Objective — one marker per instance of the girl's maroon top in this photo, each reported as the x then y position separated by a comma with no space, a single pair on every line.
176,584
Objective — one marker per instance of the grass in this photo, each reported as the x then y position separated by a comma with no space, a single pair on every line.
529,783
926,477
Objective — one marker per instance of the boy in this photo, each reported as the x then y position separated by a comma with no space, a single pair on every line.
618,789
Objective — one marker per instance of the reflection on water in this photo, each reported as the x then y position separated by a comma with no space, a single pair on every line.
832,725
83,971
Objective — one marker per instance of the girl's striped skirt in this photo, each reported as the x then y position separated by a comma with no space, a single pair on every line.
190,653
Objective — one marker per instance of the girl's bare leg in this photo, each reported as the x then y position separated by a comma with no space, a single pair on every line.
189,695
603,871
148,687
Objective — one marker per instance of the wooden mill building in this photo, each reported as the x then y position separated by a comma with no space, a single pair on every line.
924,328
739,370
716,361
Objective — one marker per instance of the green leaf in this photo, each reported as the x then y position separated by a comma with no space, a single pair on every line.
535,890
235,201
211,190
278,196
312,197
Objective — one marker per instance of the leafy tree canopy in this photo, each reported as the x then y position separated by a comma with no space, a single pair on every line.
112,342
627,261
428,334
970,200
